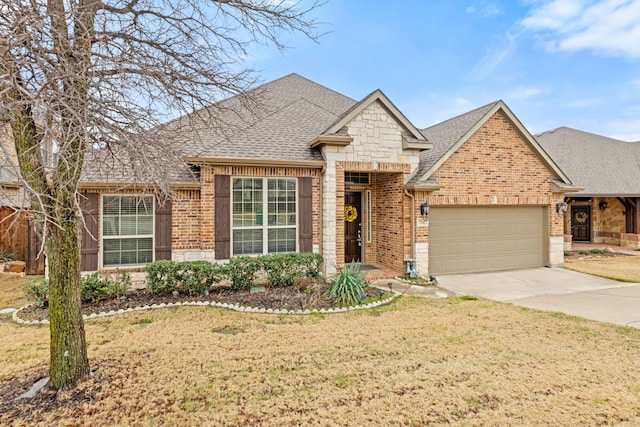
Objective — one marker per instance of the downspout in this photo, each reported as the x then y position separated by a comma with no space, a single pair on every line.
413,225
321,216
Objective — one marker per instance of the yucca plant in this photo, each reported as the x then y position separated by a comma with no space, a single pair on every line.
346,287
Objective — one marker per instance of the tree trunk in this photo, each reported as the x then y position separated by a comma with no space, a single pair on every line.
68,362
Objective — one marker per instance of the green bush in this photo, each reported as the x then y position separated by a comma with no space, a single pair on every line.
197,276
37,290
346,287
161,276
240,271
283,269
97,287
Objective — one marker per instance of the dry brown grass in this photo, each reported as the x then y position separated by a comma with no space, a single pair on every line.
625,268
416,362
11,290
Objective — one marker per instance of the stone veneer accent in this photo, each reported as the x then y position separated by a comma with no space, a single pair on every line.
608,224
495,166
376,148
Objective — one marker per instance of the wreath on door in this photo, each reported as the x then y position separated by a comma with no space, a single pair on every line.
581,217
350,213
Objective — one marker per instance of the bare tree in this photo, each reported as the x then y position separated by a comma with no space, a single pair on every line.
93,79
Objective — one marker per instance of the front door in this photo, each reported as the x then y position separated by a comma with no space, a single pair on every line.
581,223
352,226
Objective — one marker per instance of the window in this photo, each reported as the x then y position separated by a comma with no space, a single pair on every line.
127,230
356,178
264,218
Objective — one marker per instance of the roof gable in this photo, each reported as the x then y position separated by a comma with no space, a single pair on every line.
414,138
450,135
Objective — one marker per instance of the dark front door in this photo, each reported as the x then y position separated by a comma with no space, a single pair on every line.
581,223
352,226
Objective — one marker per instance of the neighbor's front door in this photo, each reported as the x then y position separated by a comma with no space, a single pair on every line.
581,223
352,226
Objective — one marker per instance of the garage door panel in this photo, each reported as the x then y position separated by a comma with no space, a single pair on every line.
479,239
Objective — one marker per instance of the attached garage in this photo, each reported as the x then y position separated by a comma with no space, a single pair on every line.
477,239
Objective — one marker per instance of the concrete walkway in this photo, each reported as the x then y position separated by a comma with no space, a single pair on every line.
555,289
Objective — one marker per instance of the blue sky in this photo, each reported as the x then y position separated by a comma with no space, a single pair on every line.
555,63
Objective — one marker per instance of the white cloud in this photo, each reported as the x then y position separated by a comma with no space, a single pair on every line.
489,10
485,10
493,57
525,92
583,103
611,27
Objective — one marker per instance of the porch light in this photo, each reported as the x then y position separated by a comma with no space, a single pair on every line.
603,205
561,207
424,210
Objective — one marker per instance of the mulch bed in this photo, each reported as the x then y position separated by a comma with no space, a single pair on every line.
303,296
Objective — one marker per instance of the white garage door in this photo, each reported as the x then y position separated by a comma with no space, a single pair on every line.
475,239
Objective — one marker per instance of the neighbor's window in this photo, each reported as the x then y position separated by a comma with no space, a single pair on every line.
127,230
263,215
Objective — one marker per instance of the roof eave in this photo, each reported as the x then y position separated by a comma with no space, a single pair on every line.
222,161
98,185
415,144
335,140
565,188
423,187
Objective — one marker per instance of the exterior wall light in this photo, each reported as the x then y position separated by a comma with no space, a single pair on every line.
561,207
603,205
424,210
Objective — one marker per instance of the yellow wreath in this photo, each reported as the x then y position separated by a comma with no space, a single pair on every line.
581,217
350,213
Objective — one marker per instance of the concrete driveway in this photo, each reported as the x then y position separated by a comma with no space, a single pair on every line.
554,289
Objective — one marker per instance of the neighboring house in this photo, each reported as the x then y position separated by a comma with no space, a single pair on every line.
607,210
314,170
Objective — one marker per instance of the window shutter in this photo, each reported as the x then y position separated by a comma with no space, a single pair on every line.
89,204
222,214
163,230
305,220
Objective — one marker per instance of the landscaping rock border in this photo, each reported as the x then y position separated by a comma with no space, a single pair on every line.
236,307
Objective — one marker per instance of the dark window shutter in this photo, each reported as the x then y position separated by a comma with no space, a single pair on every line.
163,230
89,204
305,221
222,216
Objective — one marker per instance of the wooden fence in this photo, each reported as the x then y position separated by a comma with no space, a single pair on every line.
18,237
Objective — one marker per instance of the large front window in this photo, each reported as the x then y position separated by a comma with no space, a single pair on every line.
263,215
127,230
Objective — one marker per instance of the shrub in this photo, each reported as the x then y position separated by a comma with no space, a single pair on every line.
7,256
240,271
346,287
37,290
161,276
283,269
197,276
97,287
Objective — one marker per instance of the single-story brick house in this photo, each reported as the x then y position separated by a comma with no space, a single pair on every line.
317,171
607,210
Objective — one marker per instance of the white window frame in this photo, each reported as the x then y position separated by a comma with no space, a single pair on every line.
135,236
265,227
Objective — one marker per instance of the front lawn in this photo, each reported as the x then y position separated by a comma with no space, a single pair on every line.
620,267
415,362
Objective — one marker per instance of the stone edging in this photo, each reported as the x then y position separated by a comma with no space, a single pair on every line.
16,318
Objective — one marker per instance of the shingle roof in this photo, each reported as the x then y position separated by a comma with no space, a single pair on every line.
603,166
445,135
290,112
